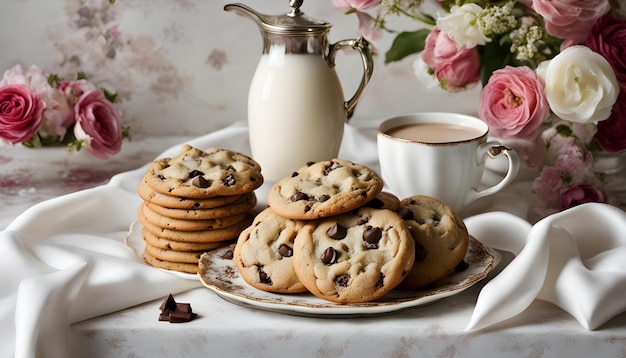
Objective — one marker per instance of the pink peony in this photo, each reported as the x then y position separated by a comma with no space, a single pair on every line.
574,161
579,194
360,5
513,103
611,135
570,19
20,113
547,185
608,38
455,68
98,124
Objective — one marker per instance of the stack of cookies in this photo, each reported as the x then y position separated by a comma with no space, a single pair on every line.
195,202
331,230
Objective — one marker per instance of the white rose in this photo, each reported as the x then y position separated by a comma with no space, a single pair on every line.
462,25
580,85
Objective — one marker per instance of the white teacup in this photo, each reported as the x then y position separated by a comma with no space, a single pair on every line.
441,155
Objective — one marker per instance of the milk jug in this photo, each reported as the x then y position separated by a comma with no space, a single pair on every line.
296,105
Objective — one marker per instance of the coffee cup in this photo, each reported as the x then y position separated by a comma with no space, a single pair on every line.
441,155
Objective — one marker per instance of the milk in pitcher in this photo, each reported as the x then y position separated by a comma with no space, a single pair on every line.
296,112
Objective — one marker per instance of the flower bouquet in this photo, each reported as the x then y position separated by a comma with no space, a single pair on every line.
38,110
552,72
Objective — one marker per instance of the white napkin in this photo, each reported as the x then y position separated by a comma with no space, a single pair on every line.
575,259
64,260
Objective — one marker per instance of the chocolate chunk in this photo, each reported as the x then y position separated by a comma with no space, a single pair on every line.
372,236
175,312
323,198
461,266
294,174
227,255
329,256
285,251
420,252
343,280
363,220
194,173
405,213
169,304
299,196
337,232
229,180
331,166
200,182
381,280
375,203
264,278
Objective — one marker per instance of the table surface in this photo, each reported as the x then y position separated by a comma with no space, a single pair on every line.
224,329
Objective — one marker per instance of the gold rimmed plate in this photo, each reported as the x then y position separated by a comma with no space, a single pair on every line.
219,273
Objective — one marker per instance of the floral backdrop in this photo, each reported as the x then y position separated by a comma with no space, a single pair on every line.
185,66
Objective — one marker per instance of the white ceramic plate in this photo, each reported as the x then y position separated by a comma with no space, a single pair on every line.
134,241
219,273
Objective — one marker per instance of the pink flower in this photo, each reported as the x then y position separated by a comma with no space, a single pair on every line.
611,135
98,124
455,68
570,19
574,161
608,38
547,185
579,194
360,5
58,114
513,103
20,113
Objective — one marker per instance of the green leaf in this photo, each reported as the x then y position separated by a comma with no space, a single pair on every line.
492,57
80,75
112,97
405,44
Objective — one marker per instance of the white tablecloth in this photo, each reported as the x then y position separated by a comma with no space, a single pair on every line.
64,265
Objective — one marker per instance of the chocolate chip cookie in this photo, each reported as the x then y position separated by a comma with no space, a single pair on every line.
195,173
263,253
354,257
324,189
441,240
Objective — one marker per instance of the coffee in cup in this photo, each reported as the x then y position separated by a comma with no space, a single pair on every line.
441,155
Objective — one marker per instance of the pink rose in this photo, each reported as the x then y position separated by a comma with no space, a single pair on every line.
360,5
579,194
20,113
513,103
611,135
455,68
570,19
608,38
98,124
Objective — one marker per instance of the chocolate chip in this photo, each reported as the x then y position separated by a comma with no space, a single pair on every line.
420,252
194,173
372,236
299,196
329,256
229,180
381,280
421,221
294,174
227,255
200,182
331,166
461,266
343,280
308,164
323,198
285,251
405,213
264,278
375,203
337,232
363,220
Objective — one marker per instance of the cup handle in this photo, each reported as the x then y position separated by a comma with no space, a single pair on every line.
362,47
493,150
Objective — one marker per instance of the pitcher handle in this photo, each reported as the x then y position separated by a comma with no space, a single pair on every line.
362,46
